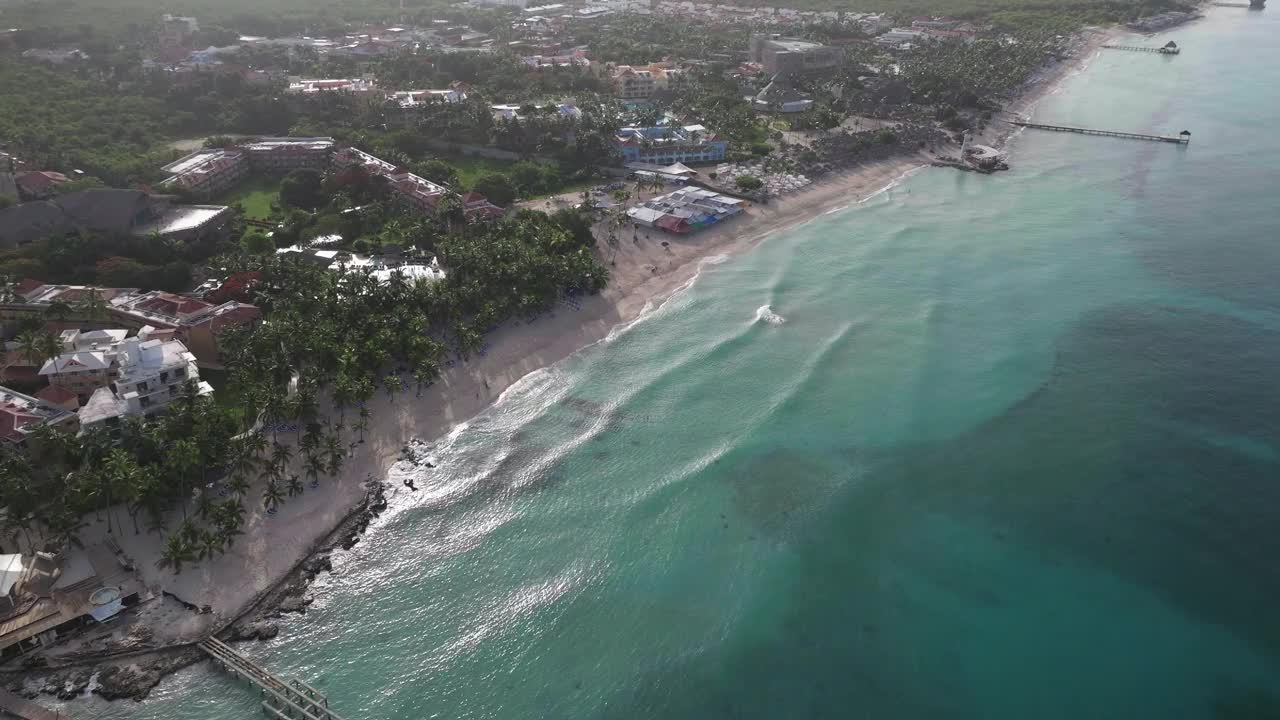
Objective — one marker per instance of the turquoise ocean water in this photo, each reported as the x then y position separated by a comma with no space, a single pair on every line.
1013,451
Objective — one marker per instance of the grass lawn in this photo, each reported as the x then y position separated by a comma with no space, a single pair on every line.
256,196
471,167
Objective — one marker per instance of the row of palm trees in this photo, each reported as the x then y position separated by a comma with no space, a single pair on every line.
301,386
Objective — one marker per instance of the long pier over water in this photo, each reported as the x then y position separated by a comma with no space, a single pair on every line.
292,700
1170,49
1181,139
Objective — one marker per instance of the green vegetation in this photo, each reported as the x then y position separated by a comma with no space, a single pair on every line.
146,467
748,182
256,197
150,263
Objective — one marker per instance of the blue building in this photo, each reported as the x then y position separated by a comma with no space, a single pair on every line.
667,145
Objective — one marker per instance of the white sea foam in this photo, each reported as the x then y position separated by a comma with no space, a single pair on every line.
766,313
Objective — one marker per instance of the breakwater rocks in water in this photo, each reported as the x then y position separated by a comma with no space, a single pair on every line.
952,163
290,595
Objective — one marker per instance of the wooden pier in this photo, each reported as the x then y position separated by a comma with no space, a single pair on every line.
1169,49
292,700
24,709
1182,138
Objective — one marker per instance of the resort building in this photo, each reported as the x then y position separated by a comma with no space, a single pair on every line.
191,320
281,155
409,99
89,362
777,54
306,86
902,38
686,210
21,415
207,173
573,58
211,172
511,111
666,145
780,97
635,82
415,191
151,374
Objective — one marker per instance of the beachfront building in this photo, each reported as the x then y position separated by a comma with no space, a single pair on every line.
636,82
777,54
686,210
150,374
21,415
665,145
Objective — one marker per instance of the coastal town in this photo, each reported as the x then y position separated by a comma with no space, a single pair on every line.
242,264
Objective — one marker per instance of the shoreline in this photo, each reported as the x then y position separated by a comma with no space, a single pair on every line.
268,573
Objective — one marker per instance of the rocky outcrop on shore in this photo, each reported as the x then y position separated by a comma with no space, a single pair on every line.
134,676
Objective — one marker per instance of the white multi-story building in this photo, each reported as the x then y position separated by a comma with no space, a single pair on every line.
89,362
150,375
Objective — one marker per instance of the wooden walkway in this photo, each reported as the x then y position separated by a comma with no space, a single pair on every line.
292,700
1182,139
1138,48
24,709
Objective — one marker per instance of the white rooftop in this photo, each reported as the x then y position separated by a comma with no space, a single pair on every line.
10,572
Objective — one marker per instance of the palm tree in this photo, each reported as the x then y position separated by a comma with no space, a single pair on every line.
272,496
280,457
58,310
182,460
31,346
363,423
314,466
208,544
93,306
176,552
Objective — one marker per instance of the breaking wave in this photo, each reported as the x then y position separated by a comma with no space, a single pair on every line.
765,313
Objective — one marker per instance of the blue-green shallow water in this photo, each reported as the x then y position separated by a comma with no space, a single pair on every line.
1012,454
